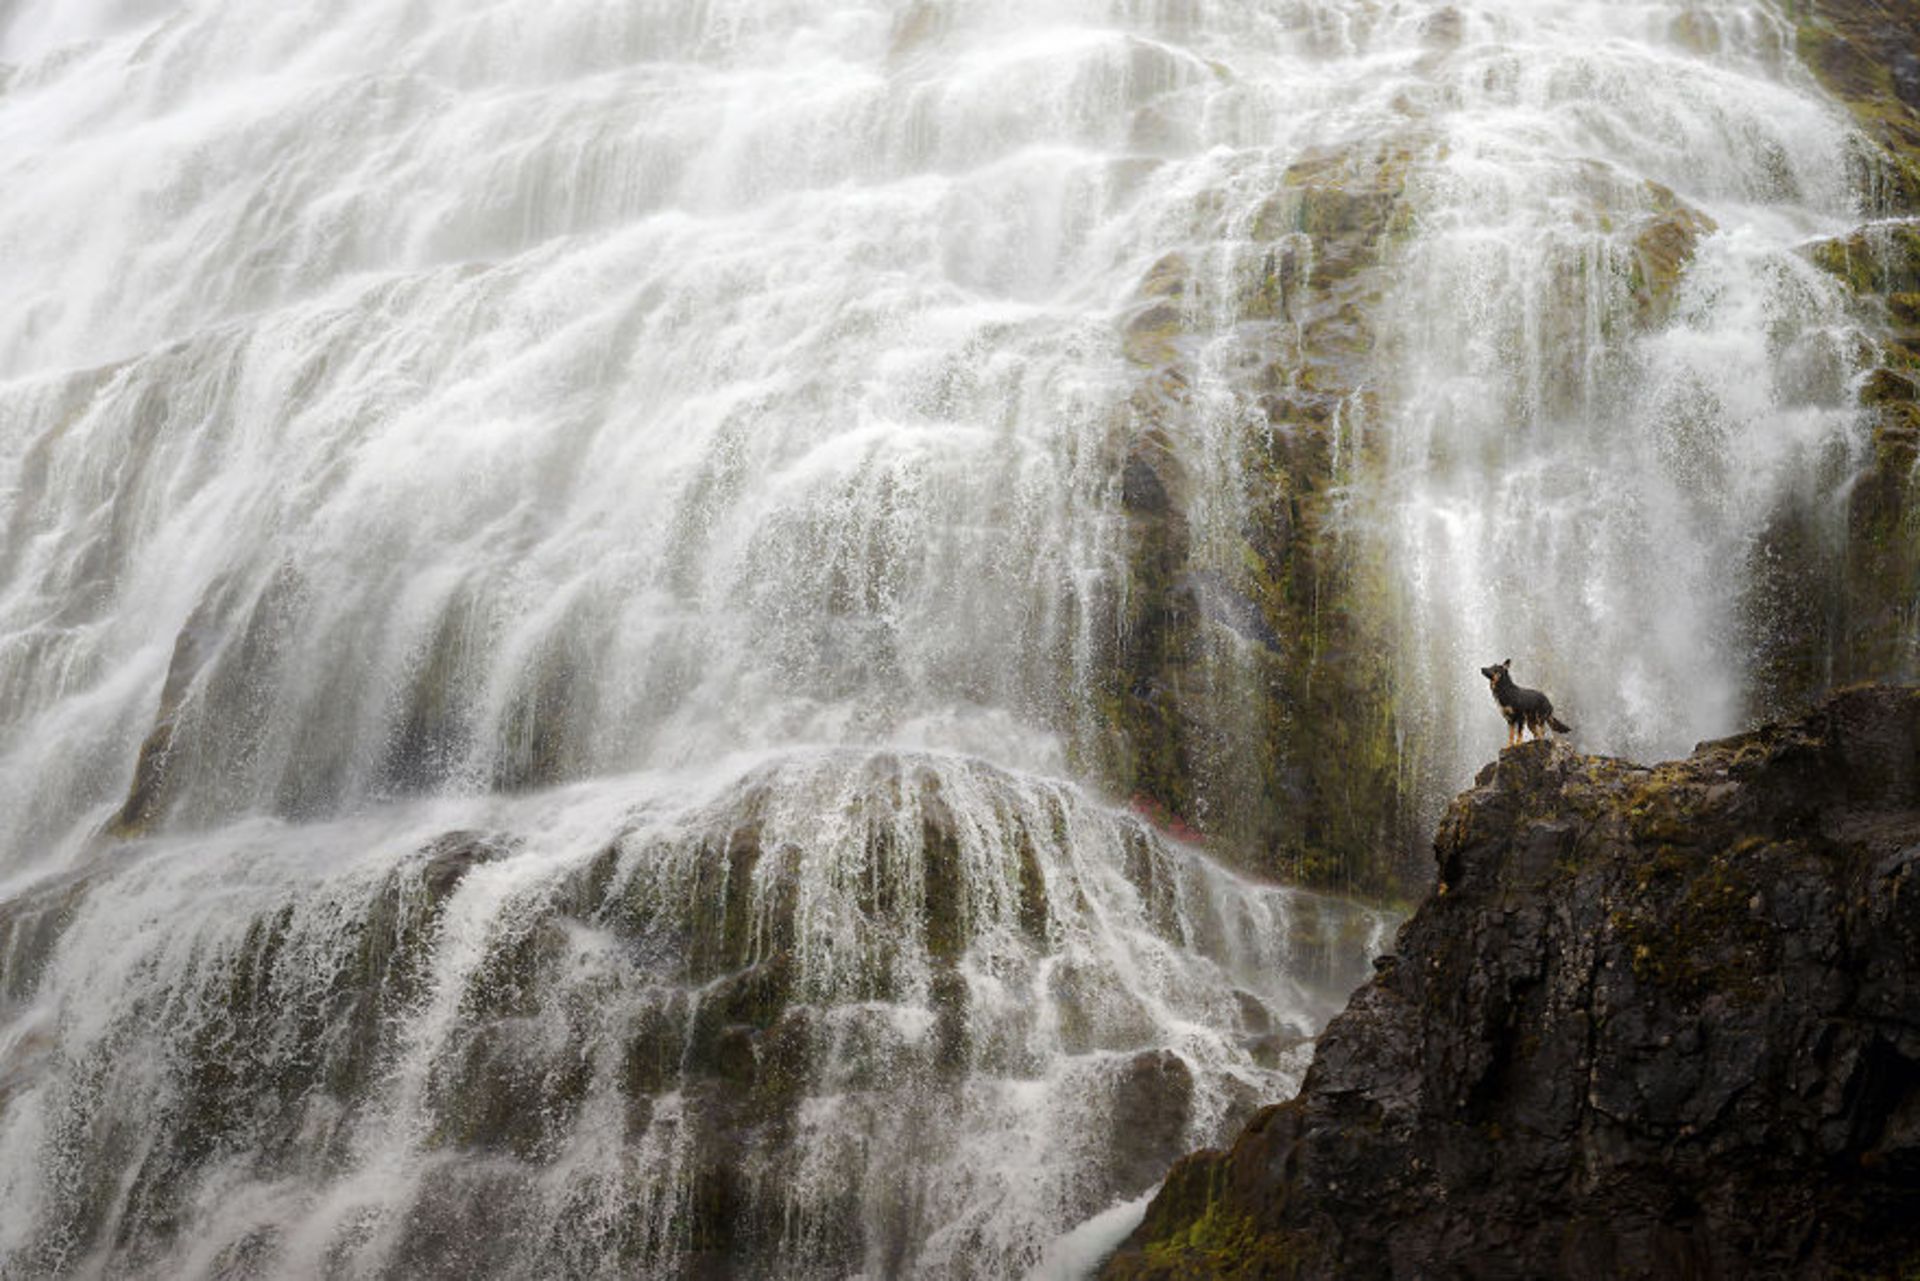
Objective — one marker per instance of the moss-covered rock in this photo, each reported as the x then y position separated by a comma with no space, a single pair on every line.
272,1060
1248,699
1876,632
1662,249
1864,53
1652,1022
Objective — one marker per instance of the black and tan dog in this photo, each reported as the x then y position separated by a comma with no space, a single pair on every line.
1525,709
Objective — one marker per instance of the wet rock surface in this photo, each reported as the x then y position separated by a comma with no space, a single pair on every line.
1653,1022
1864,53
1247,698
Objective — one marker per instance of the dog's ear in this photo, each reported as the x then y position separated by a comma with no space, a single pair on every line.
1507,663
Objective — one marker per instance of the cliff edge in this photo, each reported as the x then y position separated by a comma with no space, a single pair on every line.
1658,1022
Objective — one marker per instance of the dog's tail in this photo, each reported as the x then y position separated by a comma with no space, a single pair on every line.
1553,722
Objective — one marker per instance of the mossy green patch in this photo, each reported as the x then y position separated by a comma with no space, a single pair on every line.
1224,1243
1248,700
1662,251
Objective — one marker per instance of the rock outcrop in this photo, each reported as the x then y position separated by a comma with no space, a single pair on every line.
1248,697
1865,55
1652,1022
1863,52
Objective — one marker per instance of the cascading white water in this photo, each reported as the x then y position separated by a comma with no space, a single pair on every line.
716,411
842,1012
1586,459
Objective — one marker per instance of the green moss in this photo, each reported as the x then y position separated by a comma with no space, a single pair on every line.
1195,1229
1661,811
1691,929
1152,335
1886,387
1269,733
1883,259
1662,251
1223,1243
1850,48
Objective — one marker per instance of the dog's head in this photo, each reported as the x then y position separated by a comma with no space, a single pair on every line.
1495,673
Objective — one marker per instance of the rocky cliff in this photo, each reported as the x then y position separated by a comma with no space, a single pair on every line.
1652,1022
1864,54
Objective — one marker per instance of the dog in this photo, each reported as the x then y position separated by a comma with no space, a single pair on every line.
1525,709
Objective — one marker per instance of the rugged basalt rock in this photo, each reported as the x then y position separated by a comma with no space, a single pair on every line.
1249,695
1653,1022
1876,636
1865,55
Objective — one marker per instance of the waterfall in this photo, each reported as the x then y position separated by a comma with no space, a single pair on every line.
811,1015
1624,392
585,584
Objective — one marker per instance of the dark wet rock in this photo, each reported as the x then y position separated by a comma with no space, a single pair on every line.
454,1226
1864,52
31,926
196,643
1224,605
1155,1094
1652,1022
436,730
1272,1049
450,857
1874,634
1246,699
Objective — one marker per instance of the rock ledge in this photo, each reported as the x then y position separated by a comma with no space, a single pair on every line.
1653,1022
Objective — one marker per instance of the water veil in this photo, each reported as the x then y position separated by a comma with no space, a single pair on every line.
573,579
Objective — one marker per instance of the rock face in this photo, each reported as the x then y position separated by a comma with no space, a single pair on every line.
1864,53
1653,1022
1248,698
